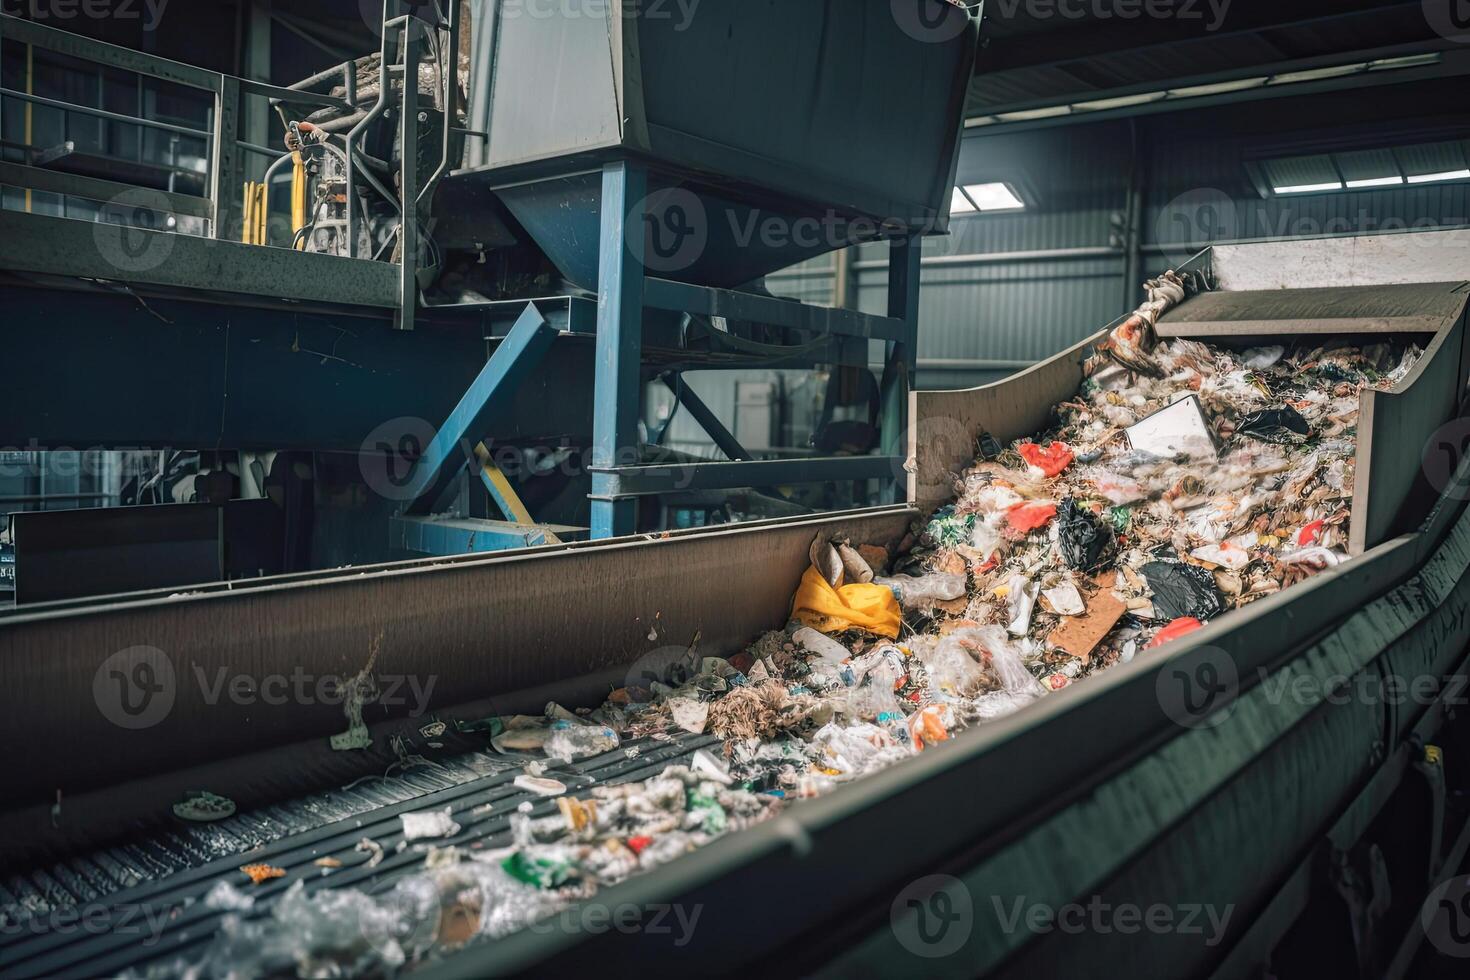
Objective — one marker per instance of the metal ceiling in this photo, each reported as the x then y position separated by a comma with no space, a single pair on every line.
1054,52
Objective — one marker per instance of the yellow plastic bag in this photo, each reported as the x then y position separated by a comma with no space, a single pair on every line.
867,607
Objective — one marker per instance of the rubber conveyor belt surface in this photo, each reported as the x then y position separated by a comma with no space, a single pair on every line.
94,915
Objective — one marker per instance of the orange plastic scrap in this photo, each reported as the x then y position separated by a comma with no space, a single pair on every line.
262,872
1047,461
867,607
926,726
1026,517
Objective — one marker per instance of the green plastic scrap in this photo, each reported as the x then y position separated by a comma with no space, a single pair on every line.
1121,517
713,819
947,529
543,872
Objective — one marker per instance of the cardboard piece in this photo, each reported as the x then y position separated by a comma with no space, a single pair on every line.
1079,635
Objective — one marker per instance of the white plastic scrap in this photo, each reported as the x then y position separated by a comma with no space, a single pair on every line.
540,786
431,823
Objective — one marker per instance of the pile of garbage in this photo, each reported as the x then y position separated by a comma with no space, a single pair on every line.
1183,480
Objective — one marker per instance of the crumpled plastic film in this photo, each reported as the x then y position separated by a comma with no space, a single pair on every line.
863,606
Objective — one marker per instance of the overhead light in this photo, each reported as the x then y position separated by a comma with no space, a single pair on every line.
1022,115
1317,74
1217,88
1446,175
959,203
1120,102
1376,182
1406,61
994,196
1335,185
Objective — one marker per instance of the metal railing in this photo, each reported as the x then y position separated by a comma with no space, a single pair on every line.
401,51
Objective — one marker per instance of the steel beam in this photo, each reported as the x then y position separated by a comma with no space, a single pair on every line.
489,396
615,483
723,438
681,297
467,535
44,244
905,256
616,400
95,188
408,184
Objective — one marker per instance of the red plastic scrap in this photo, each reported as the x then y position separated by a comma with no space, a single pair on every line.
1050,460
1311,533
1027,517
637,844
1175,629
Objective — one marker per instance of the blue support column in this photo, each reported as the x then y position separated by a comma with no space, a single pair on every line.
616,400
898,371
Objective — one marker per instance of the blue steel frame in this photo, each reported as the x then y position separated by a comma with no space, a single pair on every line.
625,290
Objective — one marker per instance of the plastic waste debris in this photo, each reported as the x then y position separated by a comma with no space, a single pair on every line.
258,873
1065,600
431,823
918,592
224,896
1283,426
1043,462
1086,541
1182,590
865,606
1174,630
575,740
539,785
202,806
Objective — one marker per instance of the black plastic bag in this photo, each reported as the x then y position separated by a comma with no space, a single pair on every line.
1182,590
1283,426
1086,540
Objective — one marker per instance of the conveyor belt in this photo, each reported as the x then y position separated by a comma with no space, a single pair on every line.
121,893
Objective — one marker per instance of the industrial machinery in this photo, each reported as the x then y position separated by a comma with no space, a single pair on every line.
1099,790
1095,791
493,301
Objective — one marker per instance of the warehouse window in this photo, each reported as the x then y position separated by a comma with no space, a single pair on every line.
1420,163
985,198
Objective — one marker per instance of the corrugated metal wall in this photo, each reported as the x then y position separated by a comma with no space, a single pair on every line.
1002,291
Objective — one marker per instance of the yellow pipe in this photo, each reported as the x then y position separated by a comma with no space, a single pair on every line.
30,90
298,197
247,220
